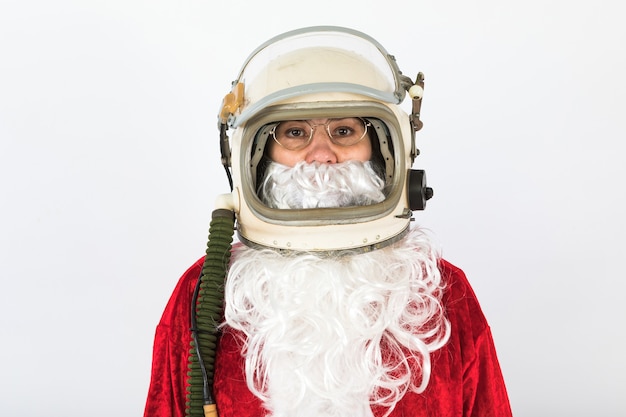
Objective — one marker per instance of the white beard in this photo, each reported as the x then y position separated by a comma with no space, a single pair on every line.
351,183
334,336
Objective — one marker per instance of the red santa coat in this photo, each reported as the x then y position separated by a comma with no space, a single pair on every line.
466,380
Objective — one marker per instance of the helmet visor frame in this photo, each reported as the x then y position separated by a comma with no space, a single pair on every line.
256,133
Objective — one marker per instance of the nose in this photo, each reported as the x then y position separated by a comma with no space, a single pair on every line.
321,149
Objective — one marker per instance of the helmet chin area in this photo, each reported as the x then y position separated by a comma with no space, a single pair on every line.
328,229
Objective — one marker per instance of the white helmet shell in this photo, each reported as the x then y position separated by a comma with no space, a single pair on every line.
311,73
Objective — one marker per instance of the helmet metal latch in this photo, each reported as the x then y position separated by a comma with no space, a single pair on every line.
416,92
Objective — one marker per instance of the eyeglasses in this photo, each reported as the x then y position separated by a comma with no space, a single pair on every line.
297,134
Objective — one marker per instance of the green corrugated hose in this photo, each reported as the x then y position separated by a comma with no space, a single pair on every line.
206,315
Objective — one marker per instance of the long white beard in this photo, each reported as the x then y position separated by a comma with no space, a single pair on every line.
334,336
351,183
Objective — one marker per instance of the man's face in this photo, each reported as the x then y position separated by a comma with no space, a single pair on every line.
320,148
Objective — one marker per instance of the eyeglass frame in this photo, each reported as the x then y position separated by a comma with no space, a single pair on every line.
366,124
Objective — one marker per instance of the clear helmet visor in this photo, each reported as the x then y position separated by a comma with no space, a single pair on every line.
317,60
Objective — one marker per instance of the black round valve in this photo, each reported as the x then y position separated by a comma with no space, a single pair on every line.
419,193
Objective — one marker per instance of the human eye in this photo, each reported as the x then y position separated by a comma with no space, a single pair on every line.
293,130
342,131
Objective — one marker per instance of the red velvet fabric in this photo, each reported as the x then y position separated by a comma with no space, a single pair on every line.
466,380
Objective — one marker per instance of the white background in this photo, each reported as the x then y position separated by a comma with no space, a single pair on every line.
109,168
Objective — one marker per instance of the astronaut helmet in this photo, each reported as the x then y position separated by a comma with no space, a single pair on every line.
348,79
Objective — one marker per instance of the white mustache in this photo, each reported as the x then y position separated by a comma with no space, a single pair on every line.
351,183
